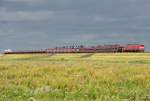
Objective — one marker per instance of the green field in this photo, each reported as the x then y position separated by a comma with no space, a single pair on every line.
75,77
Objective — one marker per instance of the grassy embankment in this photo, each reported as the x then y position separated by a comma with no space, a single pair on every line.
77,77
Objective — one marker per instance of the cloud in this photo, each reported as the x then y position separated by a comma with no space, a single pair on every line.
44,23
6,15
29,1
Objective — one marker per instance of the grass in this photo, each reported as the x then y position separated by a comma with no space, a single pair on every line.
75,77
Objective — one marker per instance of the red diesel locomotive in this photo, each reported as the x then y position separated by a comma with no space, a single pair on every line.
133,48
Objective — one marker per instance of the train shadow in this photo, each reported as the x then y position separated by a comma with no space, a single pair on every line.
87,55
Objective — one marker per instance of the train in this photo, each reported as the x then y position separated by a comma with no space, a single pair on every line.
84,49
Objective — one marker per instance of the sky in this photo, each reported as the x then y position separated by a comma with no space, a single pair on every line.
38,24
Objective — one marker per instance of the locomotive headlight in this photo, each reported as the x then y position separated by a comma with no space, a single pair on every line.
141,47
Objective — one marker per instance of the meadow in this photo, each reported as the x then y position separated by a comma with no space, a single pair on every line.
75,77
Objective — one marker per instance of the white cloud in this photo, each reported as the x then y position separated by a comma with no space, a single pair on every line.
100,18
89,36
6,15
29,1
38,15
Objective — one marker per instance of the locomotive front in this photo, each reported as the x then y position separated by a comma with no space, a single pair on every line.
134,48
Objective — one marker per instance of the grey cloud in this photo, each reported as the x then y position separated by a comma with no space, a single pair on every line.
29,23
29,2
24,15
